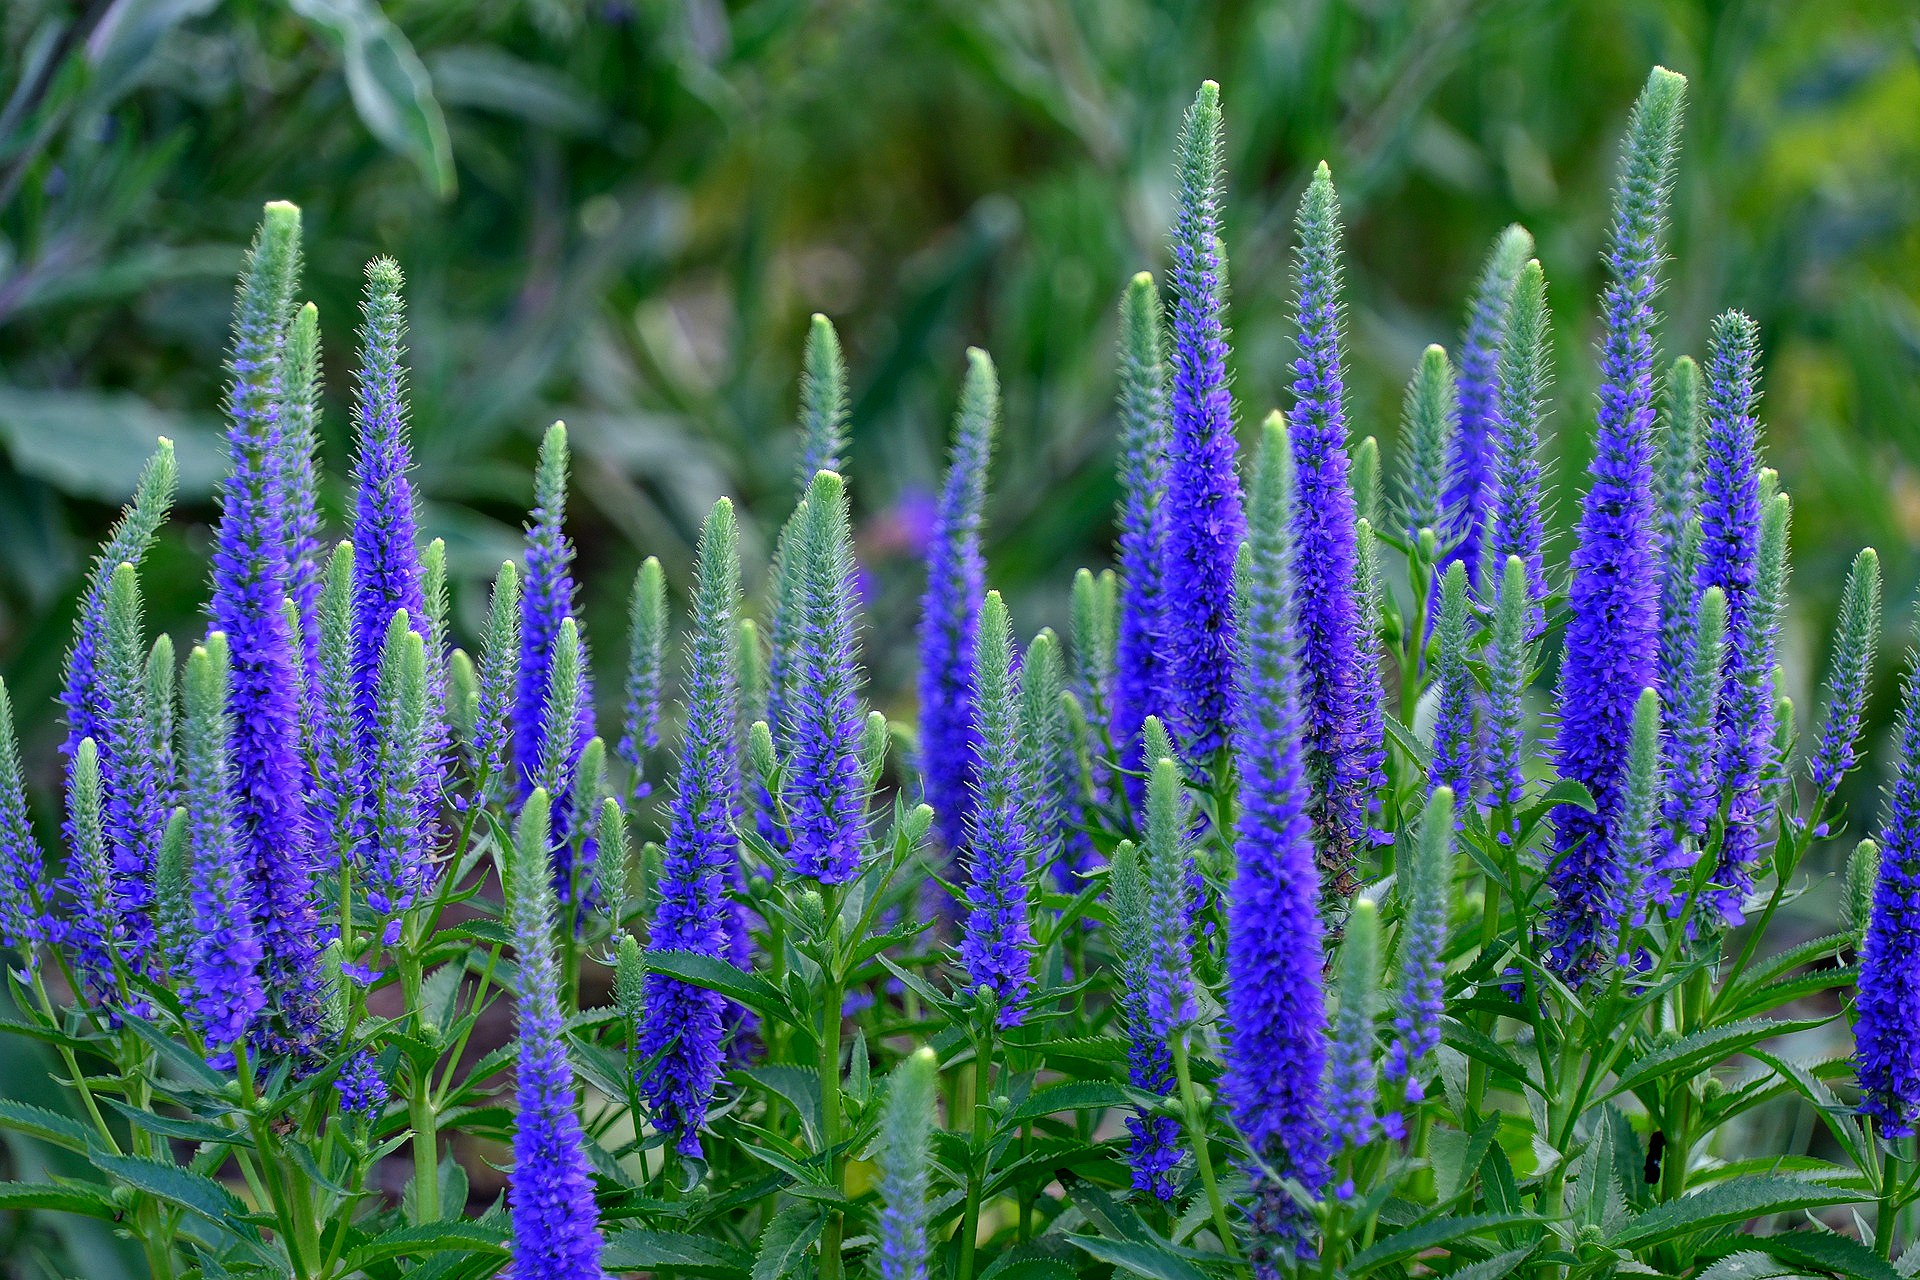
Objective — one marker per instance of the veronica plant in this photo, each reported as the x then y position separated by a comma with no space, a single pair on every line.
1221,964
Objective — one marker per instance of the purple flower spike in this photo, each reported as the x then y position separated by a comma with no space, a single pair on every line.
1140,686
1204,519
826,788
250,585
1276,1012
997,940
1340,680
1613,634
127,543
300,481
950,611
1479,384
681,1025
1886,1013
222,989
556,1229
386,541
23,868
1731,558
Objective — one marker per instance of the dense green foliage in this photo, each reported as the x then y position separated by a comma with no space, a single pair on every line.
622,214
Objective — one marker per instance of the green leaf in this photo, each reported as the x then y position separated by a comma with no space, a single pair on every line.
717,975
1086,1048
1841,1121
492,79
1703,1048
1495,1267
183,1187
786,1239
1140,1258
391,90
94,443
639,1249
67,1197
1725,1204
1824,1250
1748,1264
800,1086
48,1126
190,1065
1023,1263
1455,1155
1598,1197
1075,1095
428,1238
1402,1245
190,1129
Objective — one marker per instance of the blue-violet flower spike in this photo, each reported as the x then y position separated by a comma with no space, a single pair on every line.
997,939
950,610
1204,519
1612,638
681,1025
1275,1012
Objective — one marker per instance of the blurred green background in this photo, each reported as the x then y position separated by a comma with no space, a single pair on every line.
621,212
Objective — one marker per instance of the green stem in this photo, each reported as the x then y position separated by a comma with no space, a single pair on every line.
1889,1215
982,1132
830,1118
1197,1136
72,1064
422,1114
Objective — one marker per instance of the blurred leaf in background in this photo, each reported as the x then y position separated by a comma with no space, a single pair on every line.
621,213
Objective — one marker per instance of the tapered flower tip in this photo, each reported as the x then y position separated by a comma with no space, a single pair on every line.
720,524
981,379
123,597
1653,130
553,445
761,760
1365,477
995,636
1664,90
1141,286
826,491
1272,474
86,764
384,276
1320,206
280,218
1360,956
1159,741
1514,247
1684,381
1863,872
1645,749
169,869
200,685
531,837
910,1102
1198,155
629,974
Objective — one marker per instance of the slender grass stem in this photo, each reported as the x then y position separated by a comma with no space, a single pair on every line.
1202,1154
